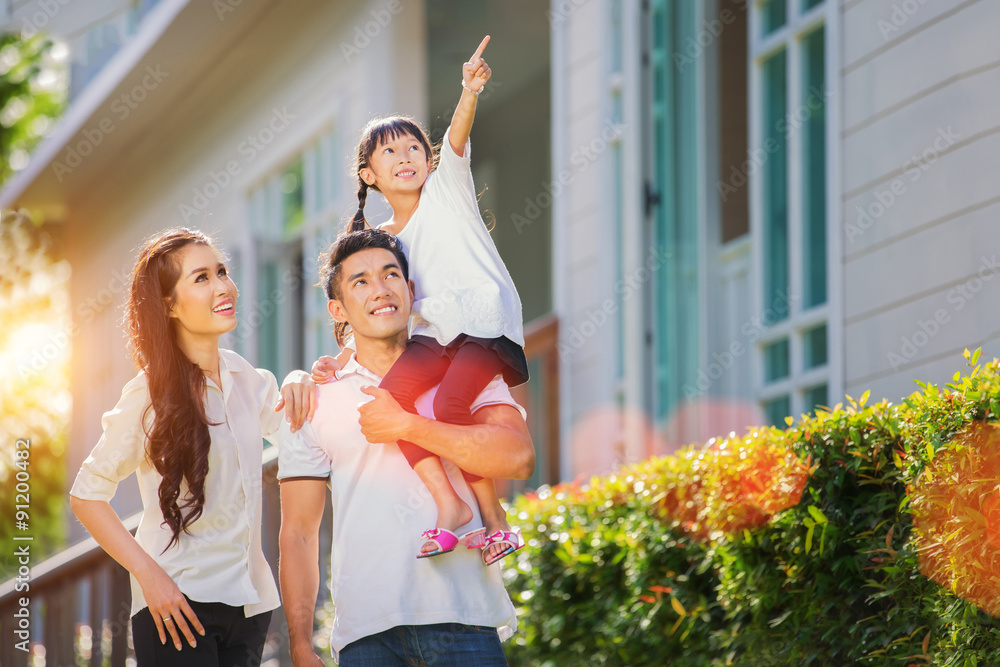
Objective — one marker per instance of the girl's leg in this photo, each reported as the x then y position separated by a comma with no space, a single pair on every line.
472,368
494,516
417,370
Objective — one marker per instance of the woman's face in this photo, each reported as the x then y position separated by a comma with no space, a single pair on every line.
204,296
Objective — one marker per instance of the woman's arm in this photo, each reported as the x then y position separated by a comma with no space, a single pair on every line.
164,599
475,74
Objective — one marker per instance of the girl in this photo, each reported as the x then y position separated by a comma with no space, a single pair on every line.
190,425
467,315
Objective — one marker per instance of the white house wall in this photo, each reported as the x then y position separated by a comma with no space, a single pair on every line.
308,85
920,91
584,228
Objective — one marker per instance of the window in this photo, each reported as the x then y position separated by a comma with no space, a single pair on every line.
789,119
734,166
101,41
673,203
292,220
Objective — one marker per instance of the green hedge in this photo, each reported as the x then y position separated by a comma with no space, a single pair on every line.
783,547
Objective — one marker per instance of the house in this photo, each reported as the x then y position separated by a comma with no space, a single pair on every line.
717,212
768,204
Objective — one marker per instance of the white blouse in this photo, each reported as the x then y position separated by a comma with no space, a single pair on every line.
221,559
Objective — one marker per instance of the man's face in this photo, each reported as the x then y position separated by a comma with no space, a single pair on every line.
375,299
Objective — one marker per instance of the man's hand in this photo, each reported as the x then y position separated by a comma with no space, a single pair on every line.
382,419
299,401
306,657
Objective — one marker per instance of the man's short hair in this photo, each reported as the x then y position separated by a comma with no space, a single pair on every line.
330,263
349,244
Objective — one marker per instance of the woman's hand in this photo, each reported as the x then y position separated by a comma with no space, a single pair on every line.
299,401
169,608
476,72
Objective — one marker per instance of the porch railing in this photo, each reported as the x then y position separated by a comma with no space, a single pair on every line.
73,609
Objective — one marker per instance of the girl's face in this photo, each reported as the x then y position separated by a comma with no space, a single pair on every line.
397,166
205,296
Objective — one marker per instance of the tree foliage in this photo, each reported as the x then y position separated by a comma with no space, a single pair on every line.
34,383
885,554
32,95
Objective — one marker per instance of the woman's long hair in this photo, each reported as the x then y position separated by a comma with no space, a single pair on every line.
378,131
178,441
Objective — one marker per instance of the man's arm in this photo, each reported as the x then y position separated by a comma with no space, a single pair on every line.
498,445
302,502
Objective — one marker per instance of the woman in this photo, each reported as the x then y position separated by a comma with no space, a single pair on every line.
190,425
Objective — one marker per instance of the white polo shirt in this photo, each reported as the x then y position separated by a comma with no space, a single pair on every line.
380,508
221,560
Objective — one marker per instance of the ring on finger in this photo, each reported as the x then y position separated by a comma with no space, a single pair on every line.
167,618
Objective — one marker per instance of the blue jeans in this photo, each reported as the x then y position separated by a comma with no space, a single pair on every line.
437,645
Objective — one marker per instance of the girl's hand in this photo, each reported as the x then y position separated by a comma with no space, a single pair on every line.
325,367
169,608
476,72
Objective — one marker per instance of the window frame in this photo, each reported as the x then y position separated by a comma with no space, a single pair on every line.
323,190
799,23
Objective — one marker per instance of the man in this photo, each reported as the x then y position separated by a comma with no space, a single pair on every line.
391,608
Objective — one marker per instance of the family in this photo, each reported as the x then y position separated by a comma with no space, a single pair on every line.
406,430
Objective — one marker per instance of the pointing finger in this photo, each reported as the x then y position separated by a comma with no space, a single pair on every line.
479,51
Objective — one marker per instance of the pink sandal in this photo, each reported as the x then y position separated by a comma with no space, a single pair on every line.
446,541
511,539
